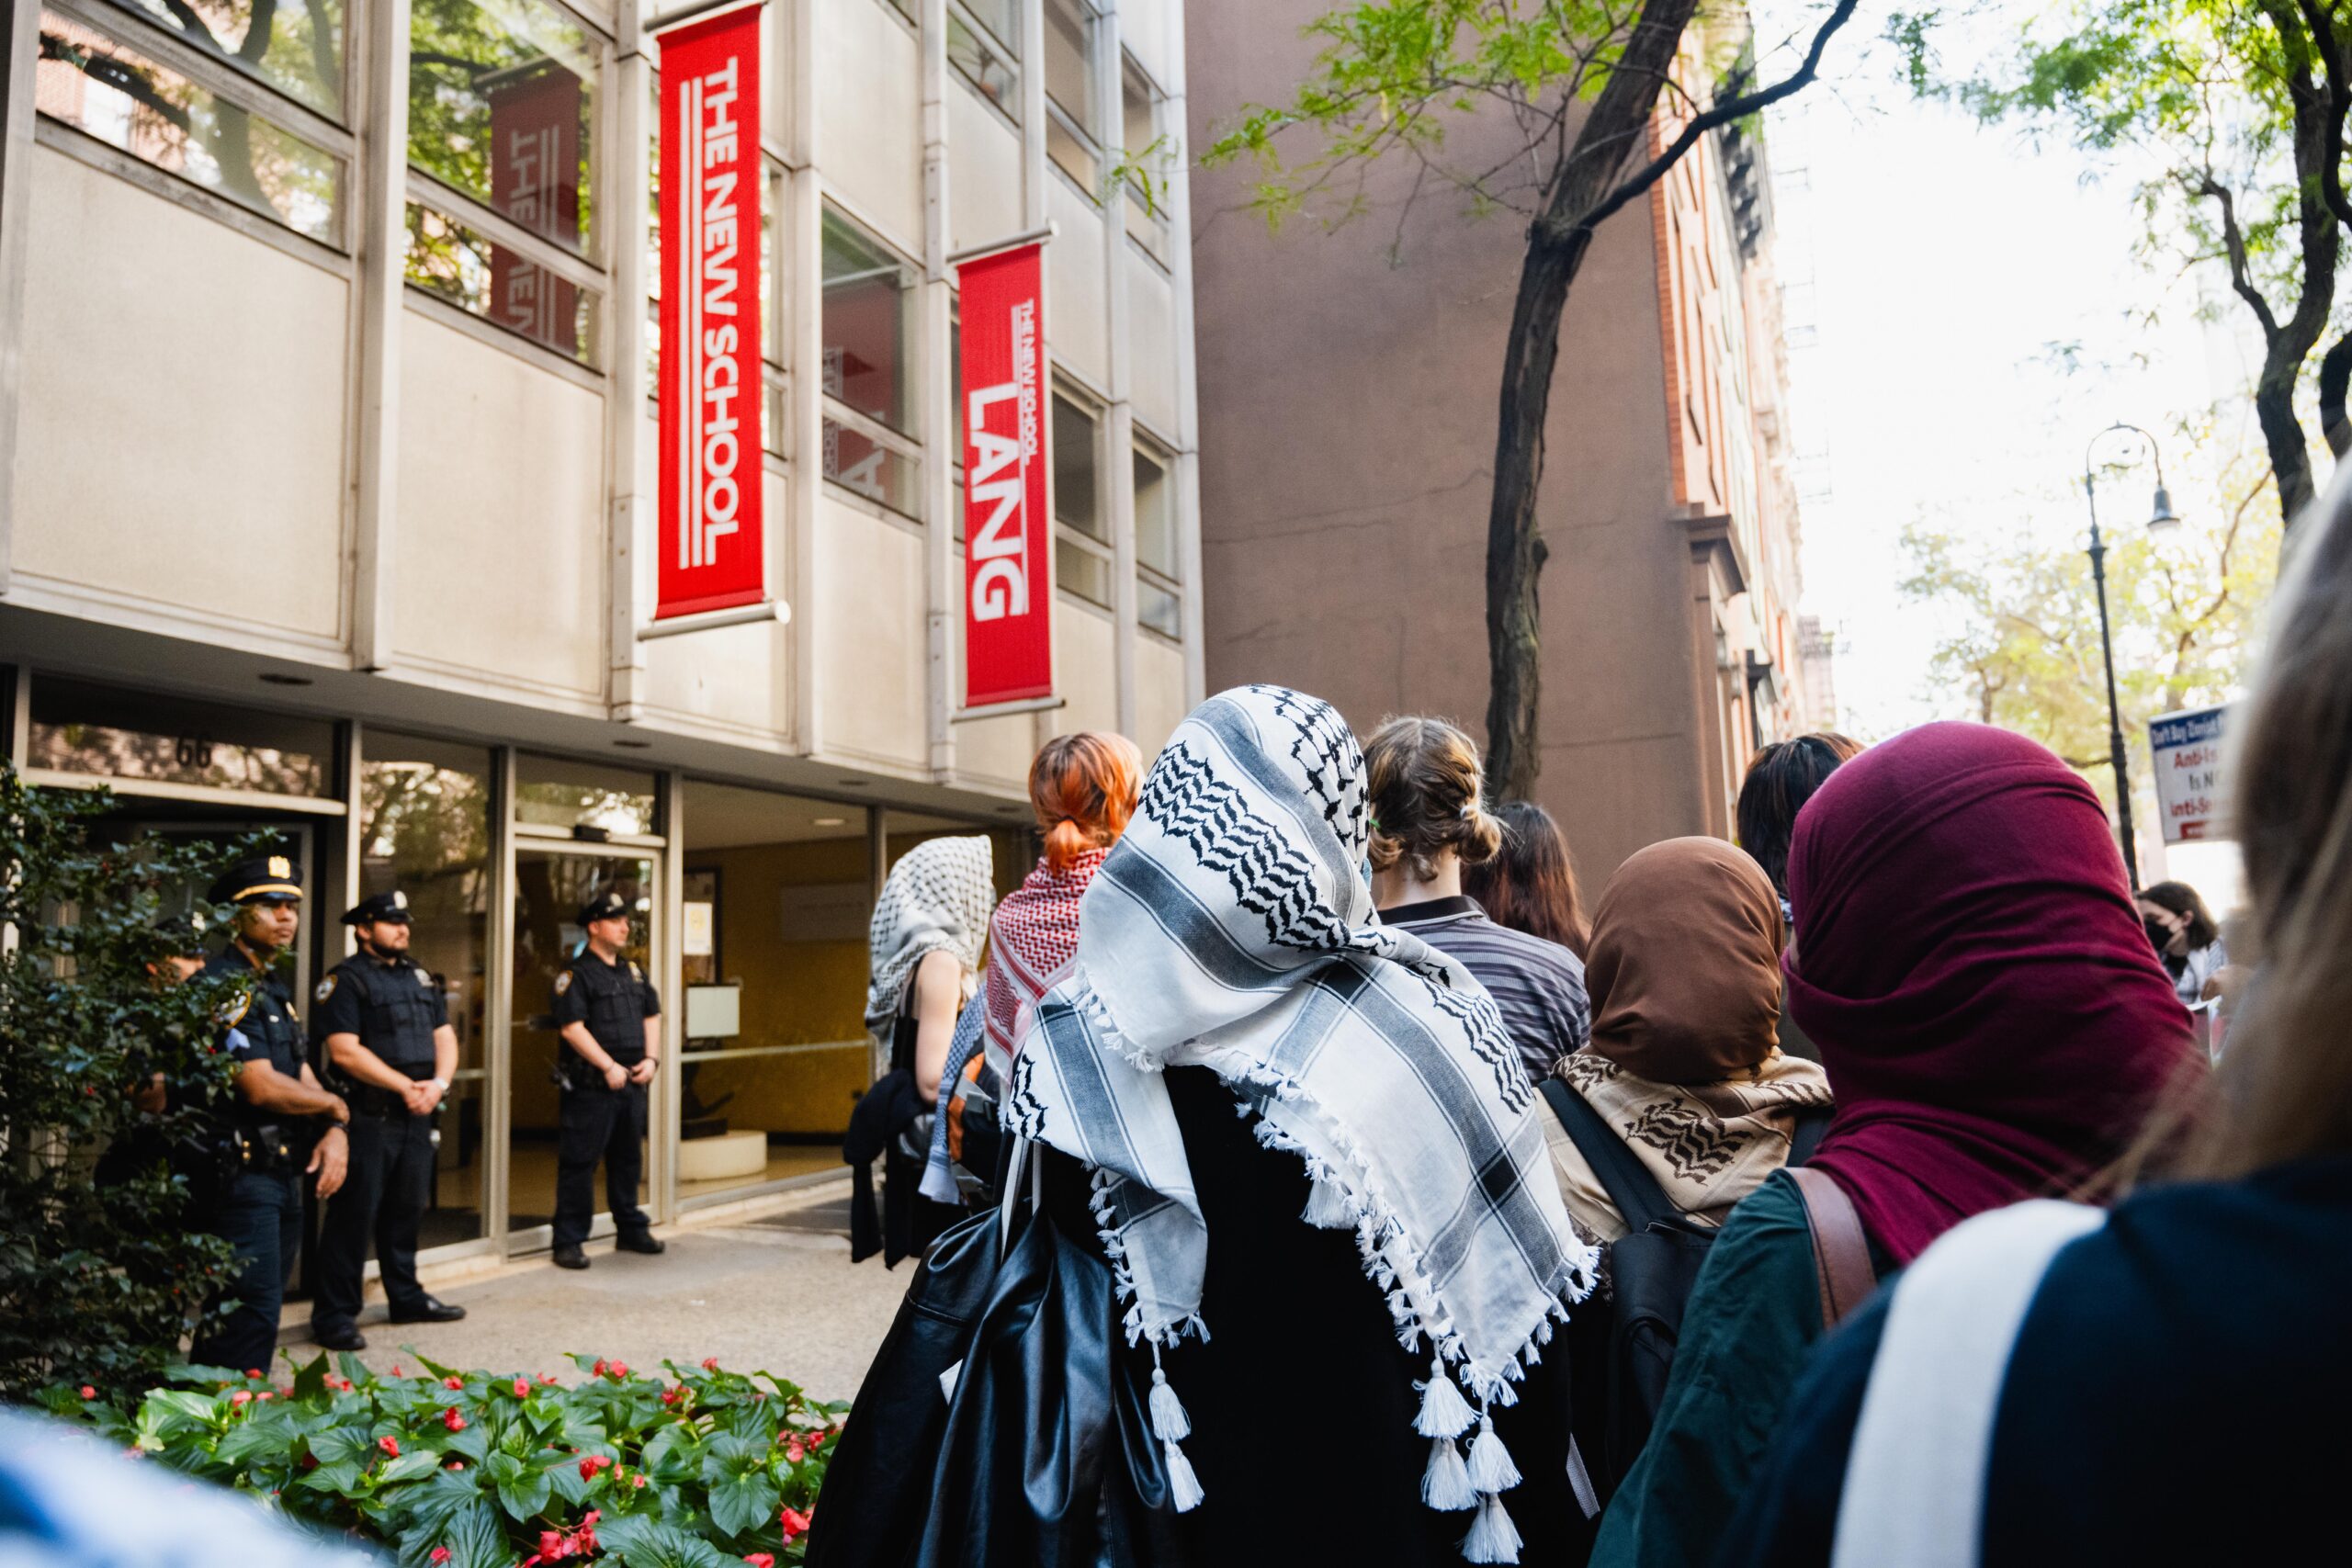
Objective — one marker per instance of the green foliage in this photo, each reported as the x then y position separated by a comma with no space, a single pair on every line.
475,1470
98,1277
1393,77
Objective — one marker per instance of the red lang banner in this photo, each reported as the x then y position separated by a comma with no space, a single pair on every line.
713,556
1008,534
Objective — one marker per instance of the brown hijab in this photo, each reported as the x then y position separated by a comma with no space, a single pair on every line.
1685,964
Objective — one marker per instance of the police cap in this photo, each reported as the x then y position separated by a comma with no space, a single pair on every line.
604,905
392,906
259,879
183,933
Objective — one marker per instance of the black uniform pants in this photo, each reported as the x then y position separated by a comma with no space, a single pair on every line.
261,1216
389,1183
596,1123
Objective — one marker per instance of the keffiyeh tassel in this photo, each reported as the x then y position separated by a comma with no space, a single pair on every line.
1172,1426
1491,1469
1490,1472
1445,1485
1492,1537
1444,1413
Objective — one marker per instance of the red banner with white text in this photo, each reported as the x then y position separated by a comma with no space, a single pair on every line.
1007,533
713,554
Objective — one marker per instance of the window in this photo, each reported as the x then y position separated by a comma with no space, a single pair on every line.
300,54
200,131
502,111
551,791
1083,539
1159,569
985,60
866,326
112,733
1070,97
1147,160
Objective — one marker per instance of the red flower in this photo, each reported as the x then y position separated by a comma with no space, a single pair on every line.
547,1378
242,1396
310,1462
522,1388
638,1480
710,1364
670,1395
793,1452
453,1420
817,1439
438,1554
599,1368
552,1544
794,1523
253,1371
396,1371
391,1447
456,1464
266,1394
620,1369
453,1382
760,1559
89,1392
589,1464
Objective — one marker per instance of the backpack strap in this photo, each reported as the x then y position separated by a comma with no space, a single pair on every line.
1841,1252
1811,1123
1641,1203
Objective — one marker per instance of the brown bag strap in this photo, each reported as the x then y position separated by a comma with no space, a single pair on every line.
1841,1253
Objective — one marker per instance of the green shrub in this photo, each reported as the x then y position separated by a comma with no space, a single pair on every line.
97,1280
473,1469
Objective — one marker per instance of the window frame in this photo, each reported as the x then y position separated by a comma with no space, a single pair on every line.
1083,126
1169,581
1069,536
1006,56
910,347
1148,227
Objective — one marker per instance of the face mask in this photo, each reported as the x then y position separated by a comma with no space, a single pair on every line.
2158,937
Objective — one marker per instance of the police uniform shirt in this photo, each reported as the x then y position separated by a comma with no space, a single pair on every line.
392,1006
613,999
260,1024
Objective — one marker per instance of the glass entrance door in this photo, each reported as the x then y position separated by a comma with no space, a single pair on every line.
550,886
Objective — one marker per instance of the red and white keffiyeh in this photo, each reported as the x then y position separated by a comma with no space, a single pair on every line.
1032,938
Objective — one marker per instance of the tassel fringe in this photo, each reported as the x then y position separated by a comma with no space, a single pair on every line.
1491,1469
1444,1413
1445,1485
1169,1422
1327,1208
1492,1537
1184,1487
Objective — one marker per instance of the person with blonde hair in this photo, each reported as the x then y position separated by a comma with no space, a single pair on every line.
1427,824
2017,1397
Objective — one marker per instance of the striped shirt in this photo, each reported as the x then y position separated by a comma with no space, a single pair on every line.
1538,986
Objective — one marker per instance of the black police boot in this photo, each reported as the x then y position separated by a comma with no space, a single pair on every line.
571,1257
339,1336
429,1309
645,1244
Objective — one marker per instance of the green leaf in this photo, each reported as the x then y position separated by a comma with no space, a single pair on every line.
673,1454
742,1503
310,1378
339,1444
409,1467
475,1539
354,1370
522,1489
430,1365
344,1475
428,1510
641,1542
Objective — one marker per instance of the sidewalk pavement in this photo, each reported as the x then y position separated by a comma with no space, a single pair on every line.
775,1294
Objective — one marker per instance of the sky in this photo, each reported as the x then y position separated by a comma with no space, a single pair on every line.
1930,264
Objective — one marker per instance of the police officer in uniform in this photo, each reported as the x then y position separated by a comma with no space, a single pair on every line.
282,1124
611,1024
389,1046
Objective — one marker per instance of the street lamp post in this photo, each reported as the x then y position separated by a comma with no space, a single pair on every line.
2162,516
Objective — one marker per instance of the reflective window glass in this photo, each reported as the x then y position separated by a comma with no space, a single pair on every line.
109,91
863,464
103,731
1000,17
553,792
476,272
1070,60
502,106
868,325
1073,155
983,63
299,51
1155,516
1157,608
1082,570
1076,503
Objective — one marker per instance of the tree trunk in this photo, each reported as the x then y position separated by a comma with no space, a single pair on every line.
1610,134
2334,379
2283,438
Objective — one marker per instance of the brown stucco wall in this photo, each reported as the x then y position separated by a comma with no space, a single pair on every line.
1348,409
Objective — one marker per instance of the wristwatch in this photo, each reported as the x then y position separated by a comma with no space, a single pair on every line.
441,1084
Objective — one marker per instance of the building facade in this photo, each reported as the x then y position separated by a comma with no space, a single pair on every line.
330,342
1350,405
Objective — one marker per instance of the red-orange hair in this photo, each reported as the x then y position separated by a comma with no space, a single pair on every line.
1084,787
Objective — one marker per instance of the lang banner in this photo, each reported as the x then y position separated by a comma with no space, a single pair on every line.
1007,533
713,554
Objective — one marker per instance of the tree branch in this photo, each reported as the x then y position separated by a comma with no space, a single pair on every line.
2233,245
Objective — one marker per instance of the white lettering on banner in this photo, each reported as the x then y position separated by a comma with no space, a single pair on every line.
999,465
711,448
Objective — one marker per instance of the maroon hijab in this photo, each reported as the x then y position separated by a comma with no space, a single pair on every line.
1992,1020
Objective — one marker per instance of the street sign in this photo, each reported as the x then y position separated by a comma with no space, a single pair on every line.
2188,751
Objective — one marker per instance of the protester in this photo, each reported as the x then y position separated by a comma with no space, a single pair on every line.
925,945
1781,778
1378,1221
1083,788
1427,824
1994,1027
1684,1064
1529,884
2187,937
2070,1362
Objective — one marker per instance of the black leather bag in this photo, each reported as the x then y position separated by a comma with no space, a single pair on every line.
877,1484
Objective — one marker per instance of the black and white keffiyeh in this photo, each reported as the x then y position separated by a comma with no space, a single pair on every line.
1232,928
939,895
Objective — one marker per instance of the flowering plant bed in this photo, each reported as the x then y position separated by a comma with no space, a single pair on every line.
473,1469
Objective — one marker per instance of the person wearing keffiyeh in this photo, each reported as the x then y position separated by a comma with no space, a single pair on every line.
1376,1242
1082,787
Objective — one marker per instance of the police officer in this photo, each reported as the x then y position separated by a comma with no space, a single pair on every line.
283,1125
390,1048
611,1022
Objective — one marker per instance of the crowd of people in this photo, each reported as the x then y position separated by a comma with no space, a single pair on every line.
1315,1178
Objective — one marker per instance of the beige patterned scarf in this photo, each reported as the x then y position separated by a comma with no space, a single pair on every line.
1707,1145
